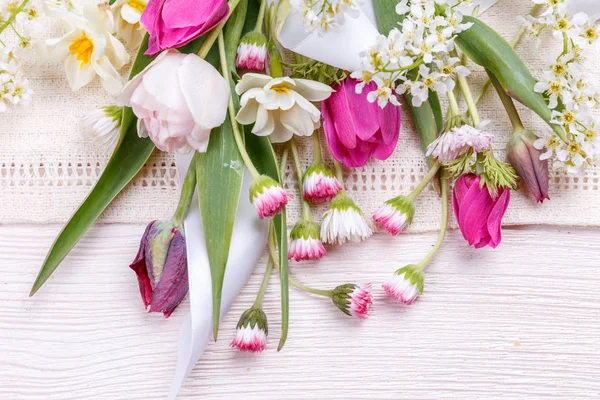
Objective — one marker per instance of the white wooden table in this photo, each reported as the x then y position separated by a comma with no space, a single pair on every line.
519,322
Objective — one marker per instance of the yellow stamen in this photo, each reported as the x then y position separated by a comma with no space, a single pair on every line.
137,5
82,48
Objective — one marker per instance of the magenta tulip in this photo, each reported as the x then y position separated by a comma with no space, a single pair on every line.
161,267
479,212
174,23
357,129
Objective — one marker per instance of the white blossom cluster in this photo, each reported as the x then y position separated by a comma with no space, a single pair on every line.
571,95
14,41
322,15
416,57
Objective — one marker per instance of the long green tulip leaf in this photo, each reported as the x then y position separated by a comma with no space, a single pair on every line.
220,173
486,47
264,158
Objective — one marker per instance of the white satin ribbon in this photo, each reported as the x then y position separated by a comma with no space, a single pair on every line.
590,7
247,244
341,46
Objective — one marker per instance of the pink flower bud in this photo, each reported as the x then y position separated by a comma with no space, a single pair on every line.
161,267
353,300
268,197
406,285
478,212
252,331
305,242
252,52
525,159
319,184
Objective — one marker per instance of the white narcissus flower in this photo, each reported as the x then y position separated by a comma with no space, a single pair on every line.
280,107
178,99
344,221
89,49
127,14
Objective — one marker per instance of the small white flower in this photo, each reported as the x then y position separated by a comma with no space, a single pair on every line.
280,107
344,221
89,49
103,125
127,15
323,15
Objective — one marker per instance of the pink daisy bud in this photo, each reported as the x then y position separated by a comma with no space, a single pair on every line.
252,331
305,242
395,215
406,285
252,52
268,197
353,300
319,185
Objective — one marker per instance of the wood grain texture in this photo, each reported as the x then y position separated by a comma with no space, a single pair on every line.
519,322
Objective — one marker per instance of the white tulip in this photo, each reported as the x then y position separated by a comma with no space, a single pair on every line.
178,99
89,48
280,107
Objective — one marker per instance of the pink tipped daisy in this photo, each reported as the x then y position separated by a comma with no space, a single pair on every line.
353,300
252,52
319,185
395,215
406,285
268,197
252,331
305,242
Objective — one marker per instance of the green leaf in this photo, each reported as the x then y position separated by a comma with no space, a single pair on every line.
385,13
220,173
486,47
264,159
129,157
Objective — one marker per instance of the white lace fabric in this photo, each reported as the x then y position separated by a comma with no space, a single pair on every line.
47,167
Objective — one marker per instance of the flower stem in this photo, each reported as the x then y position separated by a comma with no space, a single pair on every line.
236,128
261,16
187,193
317,155
306,214
214,34
508,104
443,228
294,282
339,174
471,105
276,66
516,40
423,184
453,103
12,17
263,286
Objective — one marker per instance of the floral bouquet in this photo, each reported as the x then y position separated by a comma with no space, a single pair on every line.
234,87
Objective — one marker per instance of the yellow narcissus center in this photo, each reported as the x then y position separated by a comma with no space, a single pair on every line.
137,5
82,48
280,88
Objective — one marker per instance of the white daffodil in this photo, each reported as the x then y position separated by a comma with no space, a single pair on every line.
280,107
127,14
89,48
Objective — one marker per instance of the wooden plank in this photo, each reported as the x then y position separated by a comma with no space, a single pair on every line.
517,322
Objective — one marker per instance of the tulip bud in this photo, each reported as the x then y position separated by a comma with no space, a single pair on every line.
525,159
161,267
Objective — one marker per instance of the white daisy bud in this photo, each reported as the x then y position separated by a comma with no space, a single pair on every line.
252,52
319,185
268,197
406,285
305,242
103,125
252,331
344,221
395,215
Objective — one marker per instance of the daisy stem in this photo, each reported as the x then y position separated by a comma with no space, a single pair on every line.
12,17
317,155
423,184
263,286
443,228
339,174
294,282
261,16
454,110
306,214
516,40
214,34
466,90
236,128
187,193
508,104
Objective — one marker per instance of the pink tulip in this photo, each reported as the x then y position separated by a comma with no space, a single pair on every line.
478,212
174,23
357,129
